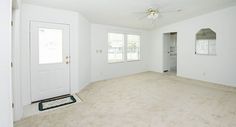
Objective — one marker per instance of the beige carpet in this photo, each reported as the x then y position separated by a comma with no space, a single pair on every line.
145,100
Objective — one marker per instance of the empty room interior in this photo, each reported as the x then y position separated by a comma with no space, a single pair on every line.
118,63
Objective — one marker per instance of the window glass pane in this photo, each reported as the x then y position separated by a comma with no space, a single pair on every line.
133,47
212,47
50,46
206,42
202,47
115,47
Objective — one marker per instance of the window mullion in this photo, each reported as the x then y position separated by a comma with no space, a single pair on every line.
125,47
208,48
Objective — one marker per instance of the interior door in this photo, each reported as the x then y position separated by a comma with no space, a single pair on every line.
166,52
49,60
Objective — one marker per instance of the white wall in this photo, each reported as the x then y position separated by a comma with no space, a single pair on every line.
79,44
100,69
16,64
84,52
5,60
218,69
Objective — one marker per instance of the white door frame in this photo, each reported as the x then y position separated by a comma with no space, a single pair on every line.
163,51
16,80
165,62
22,53
30,59
25,58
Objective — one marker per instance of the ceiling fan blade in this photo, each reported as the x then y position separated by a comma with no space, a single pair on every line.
143,17
171,11
139,13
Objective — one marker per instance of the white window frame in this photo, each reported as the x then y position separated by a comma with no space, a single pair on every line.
139,57
207,54
123,53
125,46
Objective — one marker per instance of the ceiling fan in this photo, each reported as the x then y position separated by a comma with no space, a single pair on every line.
154,13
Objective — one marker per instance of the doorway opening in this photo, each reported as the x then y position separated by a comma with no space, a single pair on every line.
170,52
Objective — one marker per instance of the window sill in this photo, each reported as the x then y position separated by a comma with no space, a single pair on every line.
206,54
128,61
134,60
115,62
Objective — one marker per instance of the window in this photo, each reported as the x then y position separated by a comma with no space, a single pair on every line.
206,42
115,47
133,47
50,46
116,44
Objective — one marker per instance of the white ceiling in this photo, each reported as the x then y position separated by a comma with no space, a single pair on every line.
126,12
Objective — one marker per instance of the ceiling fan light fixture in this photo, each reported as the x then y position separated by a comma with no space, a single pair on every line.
153,15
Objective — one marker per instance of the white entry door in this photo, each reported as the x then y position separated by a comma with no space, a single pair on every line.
50,60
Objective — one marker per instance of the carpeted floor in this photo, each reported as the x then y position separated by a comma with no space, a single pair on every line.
145,100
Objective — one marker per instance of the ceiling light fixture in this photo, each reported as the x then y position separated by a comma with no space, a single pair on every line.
152,14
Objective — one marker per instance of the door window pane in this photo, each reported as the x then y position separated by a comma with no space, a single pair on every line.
115,47
133,47
50,46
